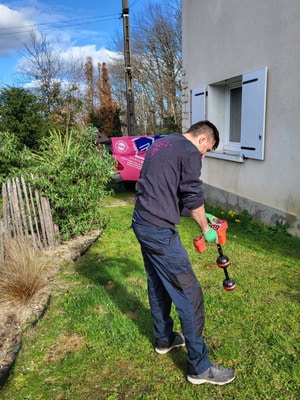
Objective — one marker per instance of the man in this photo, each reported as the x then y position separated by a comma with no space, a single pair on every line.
169,187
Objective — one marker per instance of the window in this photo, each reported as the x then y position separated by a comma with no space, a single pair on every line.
233,115
237,106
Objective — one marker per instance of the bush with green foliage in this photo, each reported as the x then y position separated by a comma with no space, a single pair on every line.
8,152
22,114
12,156
70,173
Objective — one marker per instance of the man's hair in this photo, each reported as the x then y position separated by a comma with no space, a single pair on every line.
205,127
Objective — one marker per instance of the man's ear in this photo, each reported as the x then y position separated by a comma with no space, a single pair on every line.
202,138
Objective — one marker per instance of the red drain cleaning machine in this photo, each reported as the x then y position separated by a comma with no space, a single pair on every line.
220,226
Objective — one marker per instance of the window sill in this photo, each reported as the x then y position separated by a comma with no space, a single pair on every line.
225,156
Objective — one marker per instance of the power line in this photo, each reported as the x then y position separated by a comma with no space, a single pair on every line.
60,24
64,21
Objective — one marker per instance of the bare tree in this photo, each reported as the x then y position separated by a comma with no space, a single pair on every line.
55,80
157,63
118,84
41,66
157,41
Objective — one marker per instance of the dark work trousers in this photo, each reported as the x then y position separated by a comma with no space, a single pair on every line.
170,279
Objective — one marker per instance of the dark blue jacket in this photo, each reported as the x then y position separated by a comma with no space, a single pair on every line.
169,183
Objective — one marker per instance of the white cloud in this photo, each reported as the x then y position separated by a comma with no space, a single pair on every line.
77,55
14,30
82,52
71,42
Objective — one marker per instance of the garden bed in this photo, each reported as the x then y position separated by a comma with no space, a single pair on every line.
14,318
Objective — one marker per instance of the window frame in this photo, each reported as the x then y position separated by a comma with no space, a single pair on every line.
216,103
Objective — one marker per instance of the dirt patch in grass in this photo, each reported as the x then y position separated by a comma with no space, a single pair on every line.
15,317
64,346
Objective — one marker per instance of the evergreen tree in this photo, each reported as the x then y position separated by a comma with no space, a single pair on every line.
22,114
108,110
89,97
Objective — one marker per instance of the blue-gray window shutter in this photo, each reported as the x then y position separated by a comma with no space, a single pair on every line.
253,114
198,104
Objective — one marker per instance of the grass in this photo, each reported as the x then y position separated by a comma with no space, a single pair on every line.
96,342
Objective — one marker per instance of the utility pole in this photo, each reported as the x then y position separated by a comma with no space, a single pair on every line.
128,70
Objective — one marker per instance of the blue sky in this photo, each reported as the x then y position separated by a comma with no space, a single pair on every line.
71,26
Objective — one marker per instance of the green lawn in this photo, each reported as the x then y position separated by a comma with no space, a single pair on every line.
96,342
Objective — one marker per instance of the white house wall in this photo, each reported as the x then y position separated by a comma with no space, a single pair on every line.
224,39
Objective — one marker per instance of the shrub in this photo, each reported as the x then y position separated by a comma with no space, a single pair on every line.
71,174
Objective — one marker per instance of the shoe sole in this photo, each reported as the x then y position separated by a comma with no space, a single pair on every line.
197,381
165,351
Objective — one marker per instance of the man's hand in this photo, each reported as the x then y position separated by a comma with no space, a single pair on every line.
211,235
210,217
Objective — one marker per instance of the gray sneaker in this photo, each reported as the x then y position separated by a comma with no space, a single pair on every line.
214,375
164,348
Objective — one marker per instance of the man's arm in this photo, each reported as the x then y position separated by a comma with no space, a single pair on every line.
199,216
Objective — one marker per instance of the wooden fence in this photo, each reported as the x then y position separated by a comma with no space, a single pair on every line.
26,214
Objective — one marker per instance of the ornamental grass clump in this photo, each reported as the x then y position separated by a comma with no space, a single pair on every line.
23,271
